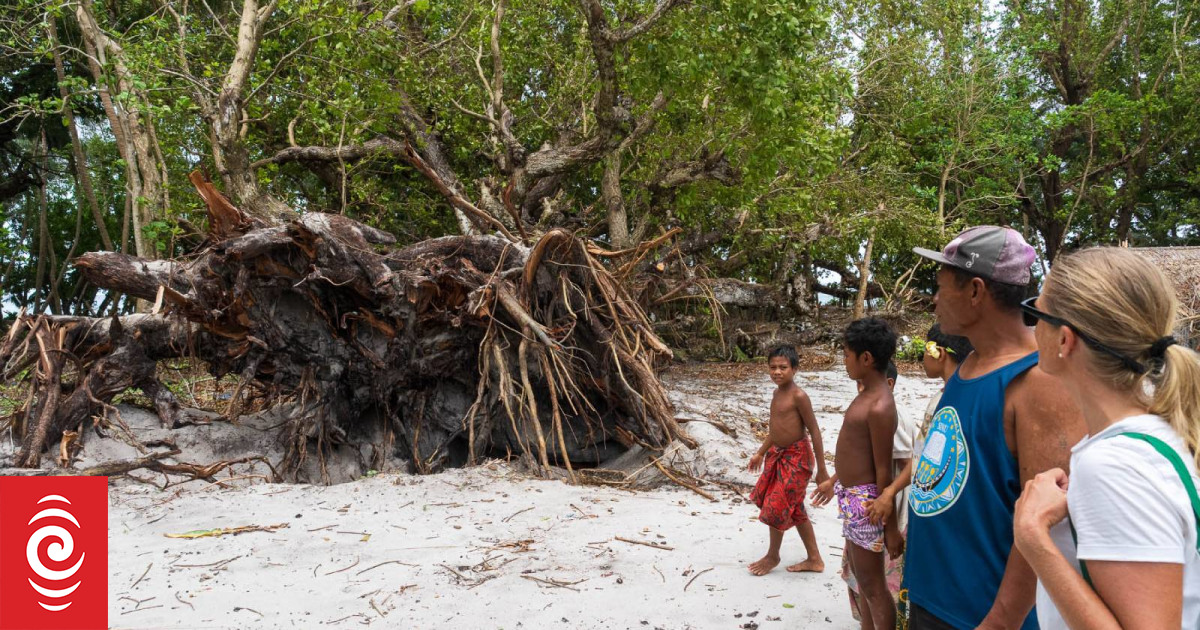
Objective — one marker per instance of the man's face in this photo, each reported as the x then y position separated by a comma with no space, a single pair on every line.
952,303
781,370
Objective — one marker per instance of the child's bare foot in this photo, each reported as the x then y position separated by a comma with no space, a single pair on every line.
809,565
764,565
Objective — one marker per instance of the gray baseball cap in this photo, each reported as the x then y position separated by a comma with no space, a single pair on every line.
989,251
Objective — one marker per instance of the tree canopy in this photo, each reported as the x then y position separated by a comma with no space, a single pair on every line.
775,141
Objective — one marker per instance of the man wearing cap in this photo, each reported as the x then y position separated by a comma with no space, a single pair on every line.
1000,421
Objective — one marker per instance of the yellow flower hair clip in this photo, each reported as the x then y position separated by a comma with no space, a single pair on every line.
935,351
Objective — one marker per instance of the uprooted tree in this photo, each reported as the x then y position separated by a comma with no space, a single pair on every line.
451,350
510,338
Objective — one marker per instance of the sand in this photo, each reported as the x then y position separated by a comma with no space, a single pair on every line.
490,547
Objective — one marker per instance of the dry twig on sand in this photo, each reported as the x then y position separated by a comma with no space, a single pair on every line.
685,588
376,566
643,543
555,583
683,483
223,531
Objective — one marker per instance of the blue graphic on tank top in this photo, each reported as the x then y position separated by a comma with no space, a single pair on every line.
942,470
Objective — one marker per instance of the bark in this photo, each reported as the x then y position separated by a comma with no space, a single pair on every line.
941,201
864,275
145,185
226,116
50,364
747,295
117,354
43,236
715,167
614,203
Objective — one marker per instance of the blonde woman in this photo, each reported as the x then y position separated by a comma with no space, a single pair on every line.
1115,544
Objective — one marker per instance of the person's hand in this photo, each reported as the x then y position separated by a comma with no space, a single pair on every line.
823,493
894,541
822,476
755,463
1042,505
879,511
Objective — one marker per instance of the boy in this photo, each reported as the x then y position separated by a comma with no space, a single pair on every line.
786,458
895,495
863,463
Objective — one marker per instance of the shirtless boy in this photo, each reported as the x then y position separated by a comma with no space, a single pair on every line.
863,464
786,458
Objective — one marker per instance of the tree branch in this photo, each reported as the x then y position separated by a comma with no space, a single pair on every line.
381,146
660,8
451,195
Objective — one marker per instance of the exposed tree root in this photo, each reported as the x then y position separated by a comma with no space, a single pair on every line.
443,352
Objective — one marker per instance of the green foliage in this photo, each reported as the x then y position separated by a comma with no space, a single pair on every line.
161,235
911,351
844,120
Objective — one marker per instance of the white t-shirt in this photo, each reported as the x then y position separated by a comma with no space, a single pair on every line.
1127,503
902,451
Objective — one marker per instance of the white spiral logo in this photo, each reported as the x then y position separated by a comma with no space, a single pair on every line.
59,551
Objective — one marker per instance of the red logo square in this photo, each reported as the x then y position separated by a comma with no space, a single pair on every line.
53,553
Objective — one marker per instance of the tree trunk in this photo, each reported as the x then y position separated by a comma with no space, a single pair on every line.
864,276
83,179
43,234
227,113
941,202
145,185
614,204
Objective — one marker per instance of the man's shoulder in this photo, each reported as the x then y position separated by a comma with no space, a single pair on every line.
1034,386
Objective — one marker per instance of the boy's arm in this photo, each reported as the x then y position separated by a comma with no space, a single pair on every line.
757,458
804,406
902,479
880,511
881,425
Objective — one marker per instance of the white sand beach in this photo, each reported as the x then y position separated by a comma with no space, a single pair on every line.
489,547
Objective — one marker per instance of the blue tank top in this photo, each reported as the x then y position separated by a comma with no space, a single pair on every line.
964,487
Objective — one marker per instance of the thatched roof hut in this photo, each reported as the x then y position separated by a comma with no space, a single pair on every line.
1182,266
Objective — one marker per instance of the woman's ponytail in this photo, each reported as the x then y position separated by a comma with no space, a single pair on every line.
1176,395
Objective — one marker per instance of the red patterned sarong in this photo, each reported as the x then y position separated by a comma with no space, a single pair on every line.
781,489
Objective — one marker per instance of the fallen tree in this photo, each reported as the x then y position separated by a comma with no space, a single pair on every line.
444,352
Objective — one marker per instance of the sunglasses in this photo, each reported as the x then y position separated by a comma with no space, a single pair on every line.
1032,314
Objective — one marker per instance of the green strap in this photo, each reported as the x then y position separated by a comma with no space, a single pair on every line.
1184,475
1180,468
1082,565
